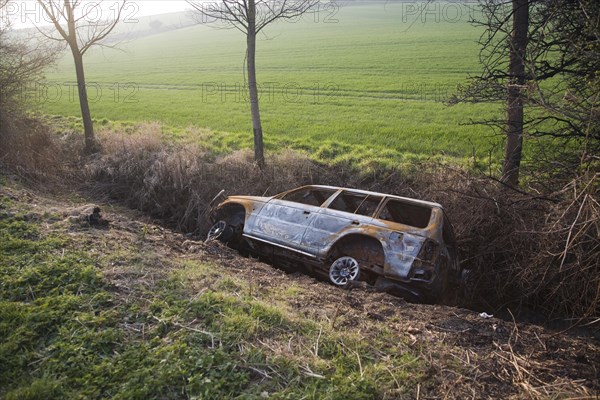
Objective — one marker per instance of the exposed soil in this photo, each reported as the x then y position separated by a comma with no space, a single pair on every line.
497,358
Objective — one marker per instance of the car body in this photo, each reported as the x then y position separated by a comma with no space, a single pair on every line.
398,244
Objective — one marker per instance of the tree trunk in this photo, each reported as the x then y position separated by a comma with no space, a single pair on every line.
514,128
259,157
88,127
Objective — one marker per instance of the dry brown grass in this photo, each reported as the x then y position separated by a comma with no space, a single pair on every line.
30,151
535,252
175,182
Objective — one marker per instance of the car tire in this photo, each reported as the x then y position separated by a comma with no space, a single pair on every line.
220,231
344,270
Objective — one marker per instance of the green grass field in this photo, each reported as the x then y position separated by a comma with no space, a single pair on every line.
365,82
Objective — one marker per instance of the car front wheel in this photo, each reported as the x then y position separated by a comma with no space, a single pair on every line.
343,270
220,231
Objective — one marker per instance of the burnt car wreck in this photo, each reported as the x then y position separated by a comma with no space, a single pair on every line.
399,245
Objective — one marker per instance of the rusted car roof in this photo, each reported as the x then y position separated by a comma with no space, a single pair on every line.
407,199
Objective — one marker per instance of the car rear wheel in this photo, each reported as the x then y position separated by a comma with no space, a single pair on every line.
220,231
343,270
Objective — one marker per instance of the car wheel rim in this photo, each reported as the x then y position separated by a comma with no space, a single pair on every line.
216,230
343,270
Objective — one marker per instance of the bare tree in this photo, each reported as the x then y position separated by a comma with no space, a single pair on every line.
542,57
515,103
22,61
81,26
251,17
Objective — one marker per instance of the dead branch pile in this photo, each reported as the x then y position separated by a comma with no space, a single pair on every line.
529,252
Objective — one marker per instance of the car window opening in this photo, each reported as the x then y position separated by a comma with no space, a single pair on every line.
311,197
406,214
356,203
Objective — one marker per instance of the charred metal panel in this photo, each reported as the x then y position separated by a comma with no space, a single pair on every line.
432,231
328,226
251,204
400,253
324,229
281,222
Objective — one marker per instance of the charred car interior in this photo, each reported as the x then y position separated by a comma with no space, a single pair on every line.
400,245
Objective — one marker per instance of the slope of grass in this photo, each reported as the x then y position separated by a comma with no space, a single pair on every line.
135,311
79,318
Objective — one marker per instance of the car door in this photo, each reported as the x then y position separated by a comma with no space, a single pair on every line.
348,212
283,220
